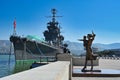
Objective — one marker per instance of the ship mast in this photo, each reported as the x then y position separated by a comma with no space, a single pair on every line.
54,15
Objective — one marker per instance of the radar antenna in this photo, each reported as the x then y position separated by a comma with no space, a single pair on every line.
53,11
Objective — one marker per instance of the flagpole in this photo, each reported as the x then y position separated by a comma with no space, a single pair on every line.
14,24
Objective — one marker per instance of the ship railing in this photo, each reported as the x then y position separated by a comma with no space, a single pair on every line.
47,59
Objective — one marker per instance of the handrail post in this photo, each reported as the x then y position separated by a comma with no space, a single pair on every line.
40,59
47,60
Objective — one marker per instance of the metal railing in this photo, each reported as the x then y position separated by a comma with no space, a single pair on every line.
47,59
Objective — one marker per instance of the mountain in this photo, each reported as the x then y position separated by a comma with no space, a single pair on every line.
107,46
77,48
74,45
4,46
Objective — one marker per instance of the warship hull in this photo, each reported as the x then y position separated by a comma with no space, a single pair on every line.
27,52
26,49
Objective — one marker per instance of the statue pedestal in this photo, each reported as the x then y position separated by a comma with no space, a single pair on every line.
96,73
90,70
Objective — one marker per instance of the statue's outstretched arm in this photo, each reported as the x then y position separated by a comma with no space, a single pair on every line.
80,39
93,34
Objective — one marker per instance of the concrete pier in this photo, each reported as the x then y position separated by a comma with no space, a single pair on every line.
54,71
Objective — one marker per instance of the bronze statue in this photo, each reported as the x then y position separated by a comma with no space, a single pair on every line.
87,42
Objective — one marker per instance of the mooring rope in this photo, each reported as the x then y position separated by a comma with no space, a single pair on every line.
39,49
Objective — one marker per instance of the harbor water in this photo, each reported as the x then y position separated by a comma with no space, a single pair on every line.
7,63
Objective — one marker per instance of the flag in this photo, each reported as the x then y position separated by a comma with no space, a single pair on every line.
14,23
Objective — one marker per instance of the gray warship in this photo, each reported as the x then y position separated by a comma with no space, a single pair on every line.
30,48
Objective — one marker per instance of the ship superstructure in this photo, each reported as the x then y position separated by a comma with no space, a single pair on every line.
52,35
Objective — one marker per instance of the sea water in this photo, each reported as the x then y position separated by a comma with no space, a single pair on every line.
7,63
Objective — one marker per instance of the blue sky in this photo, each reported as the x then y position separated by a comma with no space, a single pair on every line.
80,17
